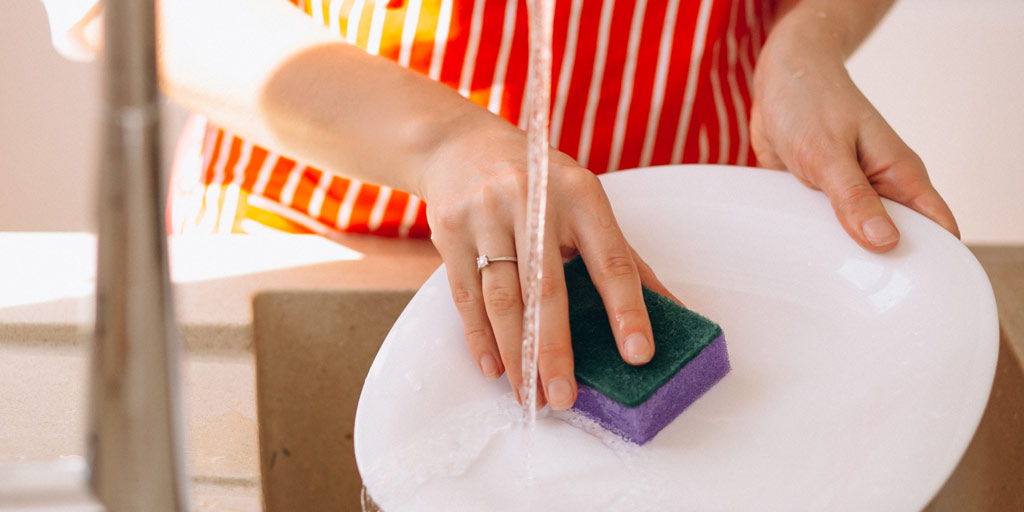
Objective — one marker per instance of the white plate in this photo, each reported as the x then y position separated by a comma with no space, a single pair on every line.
858,379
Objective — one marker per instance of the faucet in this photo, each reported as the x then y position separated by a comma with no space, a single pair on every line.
135,460
134,445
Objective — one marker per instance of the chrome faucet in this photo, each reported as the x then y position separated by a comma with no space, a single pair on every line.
135,451
135,461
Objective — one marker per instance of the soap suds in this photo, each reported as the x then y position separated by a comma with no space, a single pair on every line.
446,449
464,442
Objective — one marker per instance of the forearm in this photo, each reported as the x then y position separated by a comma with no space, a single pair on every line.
264,70
840,25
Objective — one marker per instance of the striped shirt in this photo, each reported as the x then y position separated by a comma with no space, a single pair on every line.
634,83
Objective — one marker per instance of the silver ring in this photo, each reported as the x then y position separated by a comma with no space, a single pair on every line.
483,260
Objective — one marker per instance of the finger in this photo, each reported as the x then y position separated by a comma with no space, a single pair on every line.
835,169
556,363
503,302
930,204
651,281
554,343
611,265
468,297
899,174
907,185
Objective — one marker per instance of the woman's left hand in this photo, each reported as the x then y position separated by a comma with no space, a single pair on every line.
808,117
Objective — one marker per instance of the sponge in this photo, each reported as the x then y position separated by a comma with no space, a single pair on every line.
636,402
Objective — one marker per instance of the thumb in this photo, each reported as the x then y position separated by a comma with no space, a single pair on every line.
899,174
854,200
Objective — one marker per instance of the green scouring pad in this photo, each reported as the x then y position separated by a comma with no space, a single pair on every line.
636,402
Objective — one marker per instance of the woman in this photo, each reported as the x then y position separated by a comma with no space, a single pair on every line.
362,92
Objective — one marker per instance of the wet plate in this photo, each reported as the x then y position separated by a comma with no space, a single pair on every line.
858,379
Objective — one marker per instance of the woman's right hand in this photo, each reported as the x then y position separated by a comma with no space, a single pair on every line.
475,186
273,77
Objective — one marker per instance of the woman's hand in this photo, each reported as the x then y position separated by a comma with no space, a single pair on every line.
308,94
476,186
808,117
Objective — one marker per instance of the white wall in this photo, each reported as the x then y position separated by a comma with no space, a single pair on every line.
948,74
49,127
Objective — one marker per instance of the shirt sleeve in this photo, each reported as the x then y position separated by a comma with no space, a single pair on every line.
73,27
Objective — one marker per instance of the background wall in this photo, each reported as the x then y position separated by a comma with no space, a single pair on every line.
947,74
49,127
48,109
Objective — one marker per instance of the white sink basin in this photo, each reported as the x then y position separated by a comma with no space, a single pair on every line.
858,379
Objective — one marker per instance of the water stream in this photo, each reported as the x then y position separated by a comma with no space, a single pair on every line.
538,90
467,436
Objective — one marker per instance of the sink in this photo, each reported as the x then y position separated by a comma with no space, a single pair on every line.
313,350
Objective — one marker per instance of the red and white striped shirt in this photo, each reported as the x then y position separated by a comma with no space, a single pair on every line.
634,83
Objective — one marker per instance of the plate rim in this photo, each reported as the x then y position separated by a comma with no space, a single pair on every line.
978,275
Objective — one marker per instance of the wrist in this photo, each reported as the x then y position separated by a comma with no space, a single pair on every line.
809,33
835,25
431,134
799,45
462,146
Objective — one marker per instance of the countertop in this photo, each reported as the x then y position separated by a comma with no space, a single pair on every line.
47,280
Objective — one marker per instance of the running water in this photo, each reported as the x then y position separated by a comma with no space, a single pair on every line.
538,89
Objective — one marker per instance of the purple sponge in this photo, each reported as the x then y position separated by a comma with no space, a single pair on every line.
636,402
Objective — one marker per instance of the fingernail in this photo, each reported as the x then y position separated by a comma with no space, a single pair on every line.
880,231
559,393
488,366
637,348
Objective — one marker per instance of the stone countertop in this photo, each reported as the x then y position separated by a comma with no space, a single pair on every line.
47,280
1005,268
